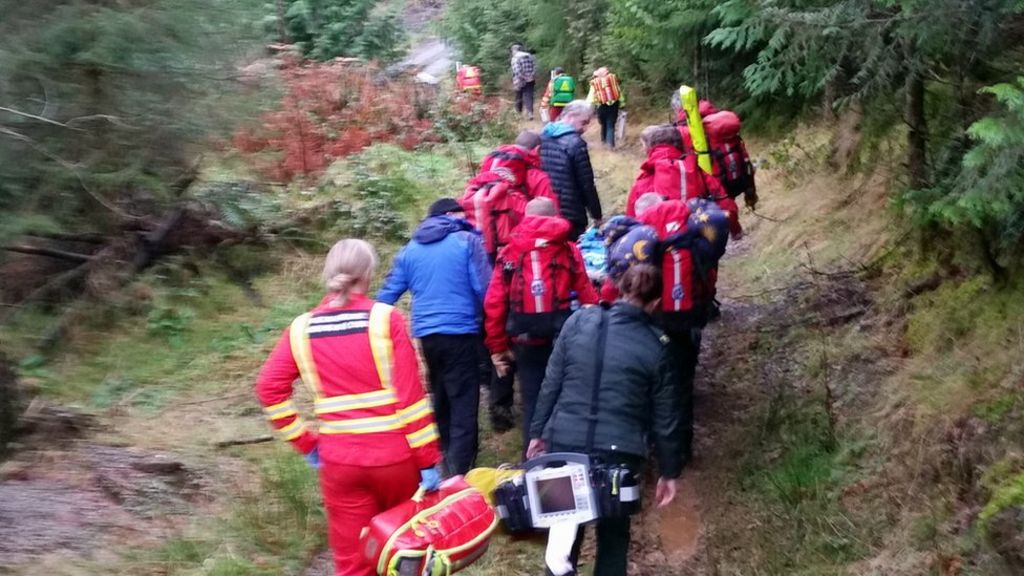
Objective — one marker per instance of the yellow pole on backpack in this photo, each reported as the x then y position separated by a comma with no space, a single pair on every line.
688,97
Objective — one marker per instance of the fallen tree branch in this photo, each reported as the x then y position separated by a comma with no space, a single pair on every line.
51,252
88,238
245,441
217,399
54,284
36,117
768,218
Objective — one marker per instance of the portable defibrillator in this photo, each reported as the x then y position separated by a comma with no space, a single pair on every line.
565,487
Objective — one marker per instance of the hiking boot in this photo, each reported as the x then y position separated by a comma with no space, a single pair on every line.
502,419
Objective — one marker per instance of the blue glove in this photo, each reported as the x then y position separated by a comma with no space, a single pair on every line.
313,459
430,479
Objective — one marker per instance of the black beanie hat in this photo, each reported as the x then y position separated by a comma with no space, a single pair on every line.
443,206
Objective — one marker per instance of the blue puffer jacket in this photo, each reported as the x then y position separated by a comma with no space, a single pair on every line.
446,268
564,156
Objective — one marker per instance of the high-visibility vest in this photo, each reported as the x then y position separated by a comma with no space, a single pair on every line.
606,89
468,79
382,402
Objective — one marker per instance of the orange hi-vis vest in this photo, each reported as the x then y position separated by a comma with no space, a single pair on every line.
368,398
468,79
606,88
367,412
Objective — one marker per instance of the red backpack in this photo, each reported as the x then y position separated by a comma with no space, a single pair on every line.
687,281
732,162
507,161
468,79
679,179
495,207
540,287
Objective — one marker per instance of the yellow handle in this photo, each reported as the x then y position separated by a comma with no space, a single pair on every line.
418,496
688,97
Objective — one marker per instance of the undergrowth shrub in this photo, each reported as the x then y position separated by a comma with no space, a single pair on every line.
984,193
334,110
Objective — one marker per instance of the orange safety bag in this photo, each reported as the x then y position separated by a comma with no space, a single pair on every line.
433,534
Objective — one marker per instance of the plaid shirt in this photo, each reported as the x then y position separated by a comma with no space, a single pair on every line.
523,66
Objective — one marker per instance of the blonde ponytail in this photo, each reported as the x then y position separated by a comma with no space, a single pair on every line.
349,263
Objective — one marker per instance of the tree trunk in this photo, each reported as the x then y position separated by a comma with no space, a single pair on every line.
828,104
917,132
696,67
282,31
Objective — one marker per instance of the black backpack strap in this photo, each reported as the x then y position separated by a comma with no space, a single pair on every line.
602,341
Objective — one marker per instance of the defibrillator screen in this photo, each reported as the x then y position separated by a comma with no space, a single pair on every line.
556,495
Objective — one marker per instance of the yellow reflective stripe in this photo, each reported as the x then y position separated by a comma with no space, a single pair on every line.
293,430
355,401
380,341
423,436
361,425
303,353
279,411
415,412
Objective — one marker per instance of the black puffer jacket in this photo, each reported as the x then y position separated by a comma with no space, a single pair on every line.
564,156
638,396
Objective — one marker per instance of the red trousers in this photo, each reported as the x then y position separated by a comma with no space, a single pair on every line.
352,496
554,112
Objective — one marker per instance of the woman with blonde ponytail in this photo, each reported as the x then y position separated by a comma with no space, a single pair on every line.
376,440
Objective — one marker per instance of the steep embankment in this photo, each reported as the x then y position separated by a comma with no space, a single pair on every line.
858,410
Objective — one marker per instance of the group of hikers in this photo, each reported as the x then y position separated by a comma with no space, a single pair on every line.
604,91
520,279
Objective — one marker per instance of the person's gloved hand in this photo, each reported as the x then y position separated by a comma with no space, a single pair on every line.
313,458
430,479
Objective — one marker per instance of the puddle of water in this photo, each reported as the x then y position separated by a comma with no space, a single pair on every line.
680,525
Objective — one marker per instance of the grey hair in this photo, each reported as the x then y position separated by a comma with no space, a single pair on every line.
578,109
676,100
647,201
541,206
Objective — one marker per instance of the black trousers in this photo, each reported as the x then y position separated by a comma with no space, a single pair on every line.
607,115
455,384
531,363
524,99
685,345
577,229
613,536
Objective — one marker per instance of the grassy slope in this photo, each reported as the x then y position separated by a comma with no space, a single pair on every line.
862,445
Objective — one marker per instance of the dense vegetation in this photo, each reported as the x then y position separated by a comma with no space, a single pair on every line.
942,73
323,29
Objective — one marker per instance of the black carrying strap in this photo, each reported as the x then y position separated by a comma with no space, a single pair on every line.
602,340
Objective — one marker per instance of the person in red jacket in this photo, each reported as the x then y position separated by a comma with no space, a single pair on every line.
536,183
669,217
377,439
539,279
674,175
